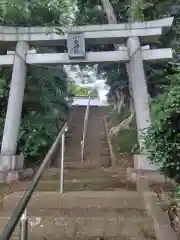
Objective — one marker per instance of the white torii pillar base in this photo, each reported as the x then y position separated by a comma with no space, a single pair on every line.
14,109
141,163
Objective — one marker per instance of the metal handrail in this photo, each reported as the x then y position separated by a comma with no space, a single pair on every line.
85,129
21,207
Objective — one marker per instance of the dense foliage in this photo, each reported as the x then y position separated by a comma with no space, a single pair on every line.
163,138
36,12
83,91
45,105
162,79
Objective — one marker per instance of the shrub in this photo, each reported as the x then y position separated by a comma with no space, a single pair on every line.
163,137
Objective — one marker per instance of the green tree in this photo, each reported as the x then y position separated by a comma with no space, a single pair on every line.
45,106
162,140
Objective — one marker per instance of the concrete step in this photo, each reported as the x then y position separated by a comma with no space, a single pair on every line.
99,141
96,184
102,161
72,155
98,159
104,143
120,237
74,146
92,179
92,212
88,164
93,140
108,199
99,155
101,175
53,173
100,151
97,117
95,125
110,214
69,227
76,138
96,133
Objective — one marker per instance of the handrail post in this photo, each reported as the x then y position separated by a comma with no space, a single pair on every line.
85,130
24,226
21,207
62,161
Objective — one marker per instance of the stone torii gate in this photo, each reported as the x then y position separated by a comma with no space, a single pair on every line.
26,37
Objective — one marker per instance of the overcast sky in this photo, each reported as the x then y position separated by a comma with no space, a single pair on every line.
92,81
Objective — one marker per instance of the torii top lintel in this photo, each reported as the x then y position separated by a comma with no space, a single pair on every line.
94,34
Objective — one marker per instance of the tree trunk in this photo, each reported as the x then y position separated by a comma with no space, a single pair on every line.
120,101
124,124
114,103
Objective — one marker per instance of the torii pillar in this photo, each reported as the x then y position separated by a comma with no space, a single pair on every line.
14,108
139,87
136,75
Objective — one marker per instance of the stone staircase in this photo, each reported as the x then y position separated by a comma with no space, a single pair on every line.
74,134
84,215
98,201
96,204
96,152
96,147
